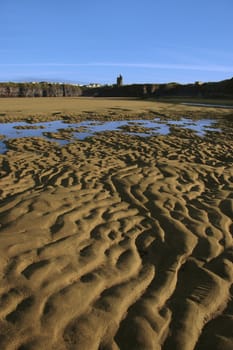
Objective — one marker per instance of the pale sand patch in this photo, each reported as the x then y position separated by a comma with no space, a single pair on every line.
83,108
118,242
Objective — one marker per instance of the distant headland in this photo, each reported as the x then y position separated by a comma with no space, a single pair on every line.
215,90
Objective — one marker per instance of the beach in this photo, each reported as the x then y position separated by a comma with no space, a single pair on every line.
116,242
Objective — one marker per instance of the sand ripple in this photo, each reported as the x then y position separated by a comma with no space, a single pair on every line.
117,243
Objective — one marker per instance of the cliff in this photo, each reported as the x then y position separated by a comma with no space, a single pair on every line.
42,89
215,90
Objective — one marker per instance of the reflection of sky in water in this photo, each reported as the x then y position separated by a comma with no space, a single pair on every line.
199,126
206,105
155,127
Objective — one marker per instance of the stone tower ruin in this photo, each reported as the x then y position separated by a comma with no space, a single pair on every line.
119,80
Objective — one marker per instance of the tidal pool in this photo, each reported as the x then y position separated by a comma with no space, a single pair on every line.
84,129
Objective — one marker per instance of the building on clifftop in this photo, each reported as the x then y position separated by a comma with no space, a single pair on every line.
119,80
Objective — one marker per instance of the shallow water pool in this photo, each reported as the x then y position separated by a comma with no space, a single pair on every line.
84,129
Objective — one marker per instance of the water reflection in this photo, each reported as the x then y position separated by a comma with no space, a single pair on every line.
82,130
206,105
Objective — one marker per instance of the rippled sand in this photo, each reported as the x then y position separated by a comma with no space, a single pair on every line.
118,242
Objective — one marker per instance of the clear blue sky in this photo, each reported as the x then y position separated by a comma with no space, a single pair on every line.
94,41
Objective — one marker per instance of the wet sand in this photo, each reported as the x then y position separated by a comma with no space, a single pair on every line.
85,108
118,242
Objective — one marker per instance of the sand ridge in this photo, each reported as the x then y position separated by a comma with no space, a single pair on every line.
118,242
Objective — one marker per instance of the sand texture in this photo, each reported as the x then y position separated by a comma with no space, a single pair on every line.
118,242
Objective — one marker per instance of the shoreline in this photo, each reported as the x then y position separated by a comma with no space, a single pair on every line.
117,242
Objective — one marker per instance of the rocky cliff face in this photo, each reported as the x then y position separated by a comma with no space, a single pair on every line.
222,89
38,90
218,90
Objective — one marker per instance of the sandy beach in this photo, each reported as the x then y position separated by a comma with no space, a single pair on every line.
117,242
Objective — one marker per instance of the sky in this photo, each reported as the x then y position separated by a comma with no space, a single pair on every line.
149,41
